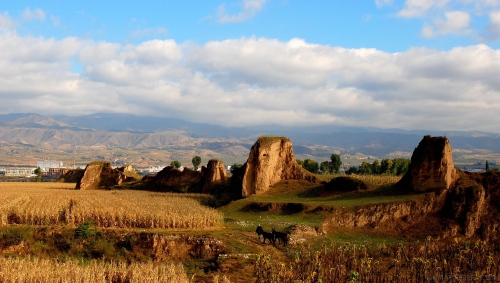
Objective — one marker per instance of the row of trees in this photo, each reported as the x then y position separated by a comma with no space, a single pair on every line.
397,166
331,166
196,163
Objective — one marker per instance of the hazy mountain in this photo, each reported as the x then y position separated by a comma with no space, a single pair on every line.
140,132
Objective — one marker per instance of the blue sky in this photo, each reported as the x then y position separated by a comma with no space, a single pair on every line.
410,64
350,24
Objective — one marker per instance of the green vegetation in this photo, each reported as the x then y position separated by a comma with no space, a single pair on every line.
311,166
175,164
38,173
196,162
396,166
266,140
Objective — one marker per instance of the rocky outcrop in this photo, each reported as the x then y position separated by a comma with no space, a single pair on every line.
431,167
270,161
214,173
171,179
72,176
100,175
447,201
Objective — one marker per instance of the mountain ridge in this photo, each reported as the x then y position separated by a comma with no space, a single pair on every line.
183,138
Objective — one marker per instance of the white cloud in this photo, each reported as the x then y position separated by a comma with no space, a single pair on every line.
249,9
55,21
381,3
419,8
6,23
493,28
456,22
254,81
33,15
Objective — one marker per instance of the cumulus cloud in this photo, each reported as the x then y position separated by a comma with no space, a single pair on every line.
493,28
455,22
419,8
254,81
33,15
6,22
248,10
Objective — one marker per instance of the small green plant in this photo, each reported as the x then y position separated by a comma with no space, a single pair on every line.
86,229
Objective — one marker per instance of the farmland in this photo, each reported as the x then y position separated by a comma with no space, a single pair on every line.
59,203
50,230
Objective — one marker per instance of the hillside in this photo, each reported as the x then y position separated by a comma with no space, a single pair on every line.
143,141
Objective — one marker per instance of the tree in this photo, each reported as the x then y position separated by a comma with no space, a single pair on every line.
487,167
196,162
336,163
326,167
38,173
175,164
311,166
365,168
385,166
376,167
352,170
400,166
300,162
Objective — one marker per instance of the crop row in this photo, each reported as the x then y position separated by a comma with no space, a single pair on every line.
453,261
48,204
28,270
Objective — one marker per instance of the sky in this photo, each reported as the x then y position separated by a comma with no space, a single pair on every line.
407,64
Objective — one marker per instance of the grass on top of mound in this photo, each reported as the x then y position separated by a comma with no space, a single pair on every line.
300,202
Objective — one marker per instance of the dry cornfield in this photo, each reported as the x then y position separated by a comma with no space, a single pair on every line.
59,203
28,270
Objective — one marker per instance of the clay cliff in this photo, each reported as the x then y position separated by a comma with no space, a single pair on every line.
270,161
214,173
100,175
432,167
448,202
171,179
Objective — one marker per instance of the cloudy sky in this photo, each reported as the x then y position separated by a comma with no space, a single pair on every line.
409,64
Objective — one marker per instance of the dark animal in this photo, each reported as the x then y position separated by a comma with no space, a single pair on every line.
265,235
282,237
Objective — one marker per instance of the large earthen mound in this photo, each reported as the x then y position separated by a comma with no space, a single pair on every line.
171,179
100,175
346,184
72,176
270,161
447,201
214,173
432,167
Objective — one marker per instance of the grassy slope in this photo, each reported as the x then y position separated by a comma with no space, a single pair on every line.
245,214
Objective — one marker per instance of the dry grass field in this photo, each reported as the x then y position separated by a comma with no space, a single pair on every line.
59,203
28,270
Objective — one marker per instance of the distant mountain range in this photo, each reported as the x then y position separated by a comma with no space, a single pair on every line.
107,131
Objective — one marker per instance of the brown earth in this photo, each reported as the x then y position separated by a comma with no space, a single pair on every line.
449,202
100,175
270,161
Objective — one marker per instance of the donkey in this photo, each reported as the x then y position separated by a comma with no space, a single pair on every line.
265,235
282,237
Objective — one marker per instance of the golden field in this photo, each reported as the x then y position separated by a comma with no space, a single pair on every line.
28,270
59,203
